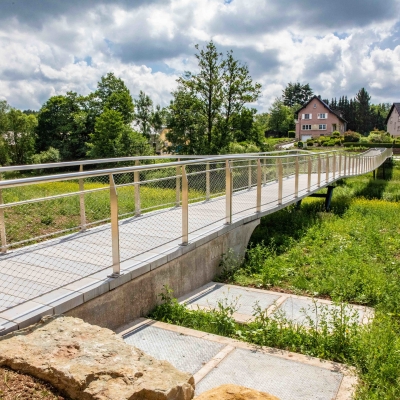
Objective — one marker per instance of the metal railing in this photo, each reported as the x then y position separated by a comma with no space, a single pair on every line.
117,214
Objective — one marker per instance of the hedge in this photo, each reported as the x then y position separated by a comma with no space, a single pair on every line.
372,145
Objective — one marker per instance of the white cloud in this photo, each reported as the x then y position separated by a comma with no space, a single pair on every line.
48,51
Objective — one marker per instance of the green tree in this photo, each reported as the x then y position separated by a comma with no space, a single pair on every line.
281,117
4,155
261,124
186,123
62,124
245,128
296,94
238,89
216,95
113,138
20,136
144,113
17,135
114,95
363,112
379,112
106,139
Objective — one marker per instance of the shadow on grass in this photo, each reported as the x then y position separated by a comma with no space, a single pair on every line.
376,187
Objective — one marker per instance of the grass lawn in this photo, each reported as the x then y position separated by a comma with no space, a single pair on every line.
28,221
350,254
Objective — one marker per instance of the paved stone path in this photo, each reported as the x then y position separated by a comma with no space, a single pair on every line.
298,309
216,360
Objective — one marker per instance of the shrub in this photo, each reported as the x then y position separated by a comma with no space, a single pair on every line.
336,134
300,145
379,137
251,148
310,143
325,144
235,148
292,134
48,156
338,142
350,136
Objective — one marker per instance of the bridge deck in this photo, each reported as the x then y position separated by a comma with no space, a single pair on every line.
60,274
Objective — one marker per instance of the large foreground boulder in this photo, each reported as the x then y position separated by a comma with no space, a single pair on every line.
234,392
88,362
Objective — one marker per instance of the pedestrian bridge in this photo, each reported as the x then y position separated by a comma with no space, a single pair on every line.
101,243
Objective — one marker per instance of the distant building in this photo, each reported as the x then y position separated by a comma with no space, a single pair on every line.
393,120
317,119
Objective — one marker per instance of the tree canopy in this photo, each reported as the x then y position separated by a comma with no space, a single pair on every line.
203,114
296,94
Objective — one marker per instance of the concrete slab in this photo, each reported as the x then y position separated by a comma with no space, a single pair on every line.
216,360
298,309
304,311
186,353
288,380
242,299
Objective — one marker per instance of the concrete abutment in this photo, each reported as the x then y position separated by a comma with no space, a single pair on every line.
139,296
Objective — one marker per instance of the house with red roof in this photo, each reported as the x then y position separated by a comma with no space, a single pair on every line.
317,119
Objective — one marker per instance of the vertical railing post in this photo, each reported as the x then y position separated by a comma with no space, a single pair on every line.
185,207
309,174
178,186
319,171
280,181
334,166
277,169
250,181
265,171
136,188
208,181
327,169
259,183
228,193
82,201
296,177
340,166
2,223
344,164
114,228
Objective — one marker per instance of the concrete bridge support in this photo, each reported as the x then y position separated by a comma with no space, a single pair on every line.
184,274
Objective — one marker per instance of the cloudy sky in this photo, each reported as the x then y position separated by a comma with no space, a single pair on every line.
49,47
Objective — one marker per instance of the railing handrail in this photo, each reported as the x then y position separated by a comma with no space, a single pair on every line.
64,164
90,174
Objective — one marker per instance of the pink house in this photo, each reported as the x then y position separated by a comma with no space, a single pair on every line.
393,120
317,119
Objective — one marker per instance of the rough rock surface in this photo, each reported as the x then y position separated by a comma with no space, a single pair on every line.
234,392
88,362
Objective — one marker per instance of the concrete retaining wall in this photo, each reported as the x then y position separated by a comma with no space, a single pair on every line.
184,274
